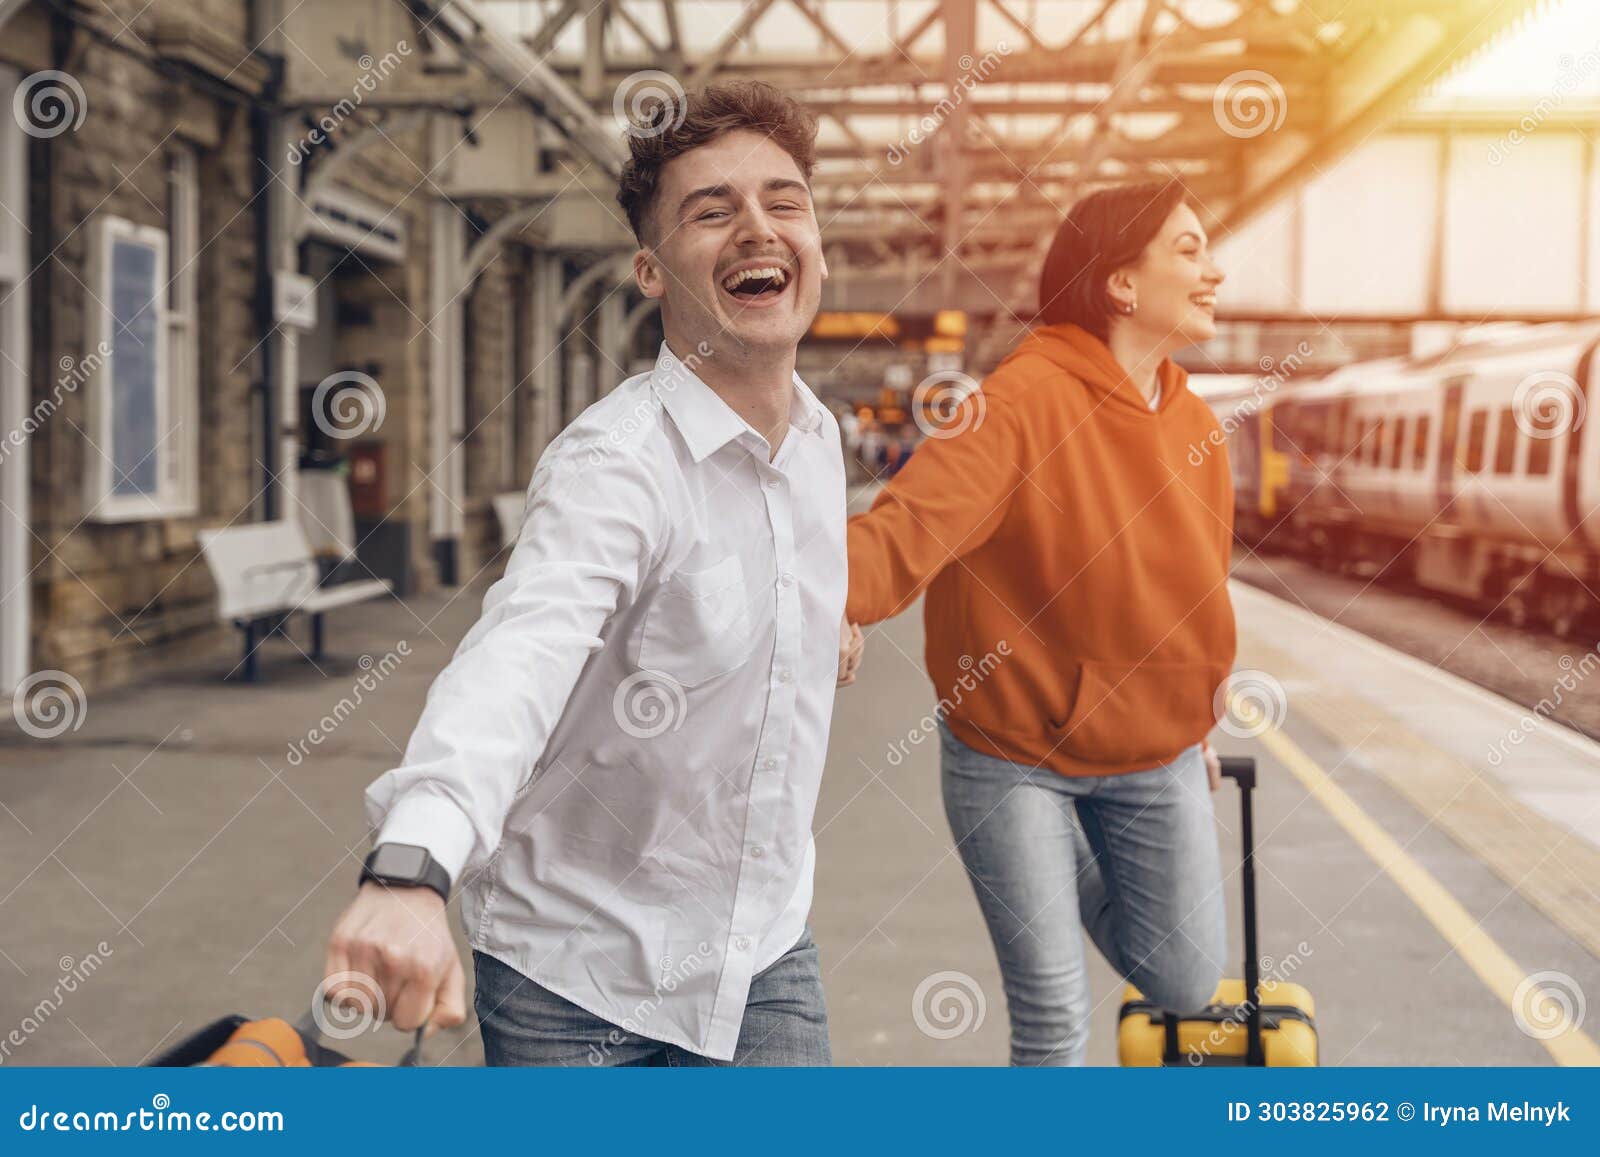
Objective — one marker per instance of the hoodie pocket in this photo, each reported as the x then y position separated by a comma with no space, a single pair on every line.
1138,712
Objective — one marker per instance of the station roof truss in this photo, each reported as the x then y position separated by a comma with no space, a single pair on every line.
953,134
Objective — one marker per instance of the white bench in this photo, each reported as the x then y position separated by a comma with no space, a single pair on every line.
508,511
323,509
265,572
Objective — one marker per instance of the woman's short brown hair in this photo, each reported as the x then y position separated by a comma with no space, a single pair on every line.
1103,232
671,128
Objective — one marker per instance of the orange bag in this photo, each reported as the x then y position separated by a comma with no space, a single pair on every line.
235,1042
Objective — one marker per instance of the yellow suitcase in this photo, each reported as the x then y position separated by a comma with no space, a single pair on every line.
1248,1022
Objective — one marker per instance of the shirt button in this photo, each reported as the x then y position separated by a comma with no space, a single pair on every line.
787,579
771,762
785,675
742,944
772,483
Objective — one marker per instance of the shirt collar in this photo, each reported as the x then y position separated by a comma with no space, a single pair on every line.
706,422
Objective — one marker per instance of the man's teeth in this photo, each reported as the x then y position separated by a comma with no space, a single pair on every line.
1208,299
769,272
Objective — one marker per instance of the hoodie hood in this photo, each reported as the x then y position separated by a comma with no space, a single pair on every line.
1090,360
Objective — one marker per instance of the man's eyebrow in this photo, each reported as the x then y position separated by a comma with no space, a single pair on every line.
779,183
706,192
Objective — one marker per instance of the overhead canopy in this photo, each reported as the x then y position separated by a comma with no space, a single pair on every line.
955,132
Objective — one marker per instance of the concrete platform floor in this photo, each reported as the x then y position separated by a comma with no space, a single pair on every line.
176,827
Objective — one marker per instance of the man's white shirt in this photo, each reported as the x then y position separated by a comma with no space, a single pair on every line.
619,765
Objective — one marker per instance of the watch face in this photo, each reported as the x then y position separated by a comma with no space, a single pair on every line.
400,861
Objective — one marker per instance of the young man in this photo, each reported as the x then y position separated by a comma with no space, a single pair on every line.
619,766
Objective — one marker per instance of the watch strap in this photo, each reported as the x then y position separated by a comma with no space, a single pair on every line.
432,876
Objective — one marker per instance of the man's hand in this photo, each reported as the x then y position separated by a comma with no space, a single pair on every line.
851,646
1213,764
400,937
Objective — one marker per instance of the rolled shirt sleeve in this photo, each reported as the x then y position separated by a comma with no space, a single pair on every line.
588,536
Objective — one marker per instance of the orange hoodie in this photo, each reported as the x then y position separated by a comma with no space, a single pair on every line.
1075,561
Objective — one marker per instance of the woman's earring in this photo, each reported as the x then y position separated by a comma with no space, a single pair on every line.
1130,307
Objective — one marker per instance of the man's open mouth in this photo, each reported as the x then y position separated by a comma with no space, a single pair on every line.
757,282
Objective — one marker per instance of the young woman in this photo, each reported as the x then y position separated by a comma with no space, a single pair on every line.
1075,565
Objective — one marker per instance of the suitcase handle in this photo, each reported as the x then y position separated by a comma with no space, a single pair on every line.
1242,770
309,1027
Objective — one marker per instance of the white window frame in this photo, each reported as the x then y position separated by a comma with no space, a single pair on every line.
16,589
183,329
176,358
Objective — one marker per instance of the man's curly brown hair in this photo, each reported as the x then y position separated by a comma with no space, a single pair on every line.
671,128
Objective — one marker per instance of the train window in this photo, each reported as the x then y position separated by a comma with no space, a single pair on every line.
1419,441
1397,448
1477,426
1505,443
1375,455
1539,455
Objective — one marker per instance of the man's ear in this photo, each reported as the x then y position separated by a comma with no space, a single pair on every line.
822,261
647,274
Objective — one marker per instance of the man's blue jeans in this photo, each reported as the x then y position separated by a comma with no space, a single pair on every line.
1149,892
524,1023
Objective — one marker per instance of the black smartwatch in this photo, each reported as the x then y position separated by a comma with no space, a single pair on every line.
406,866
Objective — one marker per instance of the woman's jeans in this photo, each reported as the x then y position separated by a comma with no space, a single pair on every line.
1150,892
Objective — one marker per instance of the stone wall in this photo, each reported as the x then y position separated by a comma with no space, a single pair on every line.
111,600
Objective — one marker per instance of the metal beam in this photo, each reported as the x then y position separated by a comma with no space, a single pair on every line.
591,80
544,40
625,14
960,37
510,62
717,56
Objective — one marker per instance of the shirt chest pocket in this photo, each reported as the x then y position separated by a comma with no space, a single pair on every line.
698,625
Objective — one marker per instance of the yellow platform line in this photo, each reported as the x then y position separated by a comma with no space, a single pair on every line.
1465,935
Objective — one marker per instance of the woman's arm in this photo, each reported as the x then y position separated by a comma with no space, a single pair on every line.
947,501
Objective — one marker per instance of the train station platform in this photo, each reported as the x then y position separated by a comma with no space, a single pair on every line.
1410,882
